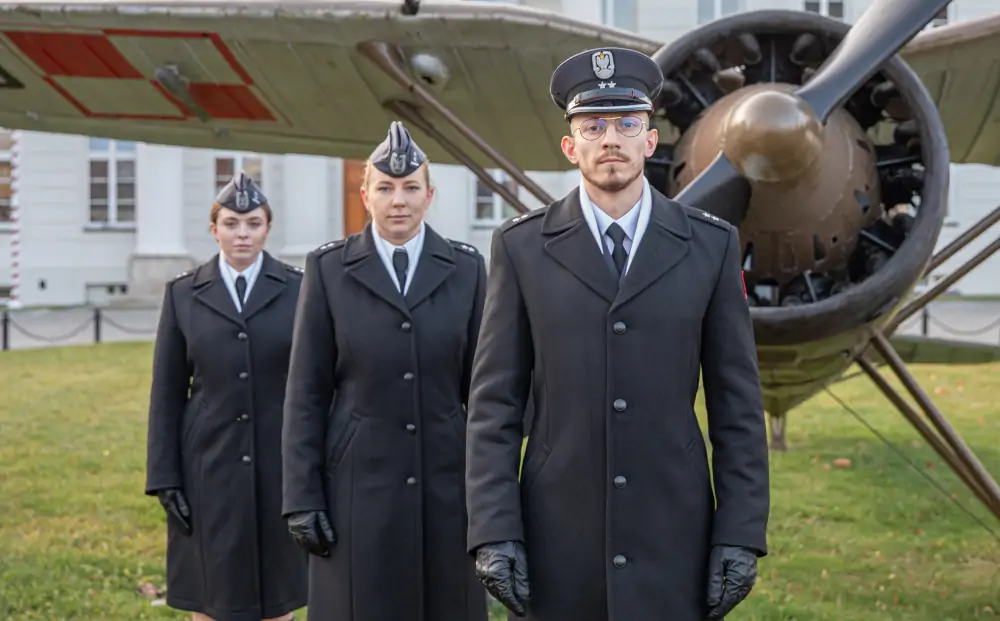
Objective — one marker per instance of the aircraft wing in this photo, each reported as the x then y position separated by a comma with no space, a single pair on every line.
288,77
960,66
926,350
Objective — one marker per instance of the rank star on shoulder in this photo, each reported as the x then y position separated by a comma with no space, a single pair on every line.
606,85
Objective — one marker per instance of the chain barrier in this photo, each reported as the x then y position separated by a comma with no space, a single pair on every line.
98,319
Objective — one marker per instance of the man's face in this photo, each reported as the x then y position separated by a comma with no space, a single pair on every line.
397,206
241,236
610,149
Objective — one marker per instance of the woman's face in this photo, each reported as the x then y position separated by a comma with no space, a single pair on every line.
241,236
397,205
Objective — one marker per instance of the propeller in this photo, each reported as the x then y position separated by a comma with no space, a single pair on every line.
723,188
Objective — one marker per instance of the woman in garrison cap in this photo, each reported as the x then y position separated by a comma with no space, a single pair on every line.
374,437
214,450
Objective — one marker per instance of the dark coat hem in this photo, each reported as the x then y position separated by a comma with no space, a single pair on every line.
267,613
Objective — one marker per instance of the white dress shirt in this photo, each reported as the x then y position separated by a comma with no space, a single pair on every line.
412,248
634,222
230,274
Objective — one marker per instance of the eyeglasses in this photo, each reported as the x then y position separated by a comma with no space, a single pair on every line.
628,126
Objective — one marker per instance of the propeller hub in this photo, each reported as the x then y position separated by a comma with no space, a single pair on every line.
771,135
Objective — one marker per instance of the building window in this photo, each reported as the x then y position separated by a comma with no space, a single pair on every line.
709,10
830,8
6,136
941,19
620,14
227,165
491,209
112,182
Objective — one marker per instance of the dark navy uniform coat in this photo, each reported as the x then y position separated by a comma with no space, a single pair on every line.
615,502
215,431
375,429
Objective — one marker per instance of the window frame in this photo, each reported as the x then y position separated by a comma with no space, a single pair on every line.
497,202
7,157
112,156
824,8
239,158
716,9
610,11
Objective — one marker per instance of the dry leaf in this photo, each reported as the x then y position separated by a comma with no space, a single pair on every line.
941,390
149,590
842,462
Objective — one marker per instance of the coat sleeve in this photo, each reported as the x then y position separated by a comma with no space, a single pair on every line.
475,322
501,376
308,395
733,399
168,397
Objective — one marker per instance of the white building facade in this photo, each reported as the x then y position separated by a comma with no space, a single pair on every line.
100,221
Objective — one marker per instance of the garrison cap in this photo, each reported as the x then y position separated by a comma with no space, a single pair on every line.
608,79
398,155
241,194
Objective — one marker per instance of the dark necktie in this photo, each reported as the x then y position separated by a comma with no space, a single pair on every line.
618,254
400,261
241,290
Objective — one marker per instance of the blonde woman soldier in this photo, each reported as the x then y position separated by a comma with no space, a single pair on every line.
374,437
214,450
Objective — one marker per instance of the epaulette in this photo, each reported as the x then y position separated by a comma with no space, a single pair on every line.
327,247
181,275
464,247
524,217
701,215
293,268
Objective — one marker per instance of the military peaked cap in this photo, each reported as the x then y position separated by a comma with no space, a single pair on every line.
241,194
398,155
609,79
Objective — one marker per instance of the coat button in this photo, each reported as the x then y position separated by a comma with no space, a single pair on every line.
244,375
411,481
242,336
620,561
619,327
411,428
244,417
620,482
408,376
246,459
405,326
620,405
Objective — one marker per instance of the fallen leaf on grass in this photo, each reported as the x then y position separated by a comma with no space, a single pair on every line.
941,390
842,462
149,590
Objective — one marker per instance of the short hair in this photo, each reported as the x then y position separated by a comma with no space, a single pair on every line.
213,215
367,174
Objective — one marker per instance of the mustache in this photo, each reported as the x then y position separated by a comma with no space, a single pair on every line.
612,156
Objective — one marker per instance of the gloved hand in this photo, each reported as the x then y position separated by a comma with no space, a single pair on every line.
732,572
503,570
312,531
177,509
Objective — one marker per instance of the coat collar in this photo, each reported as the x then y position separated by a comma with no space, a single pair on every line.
571,243
437,261
210,288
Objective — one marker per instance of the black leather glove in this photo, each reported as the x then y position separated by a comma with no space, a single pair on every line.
732,572
176,506
312,531
503,570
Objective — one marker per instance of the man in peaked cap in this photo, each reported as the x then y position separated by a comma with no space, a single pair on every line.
611,304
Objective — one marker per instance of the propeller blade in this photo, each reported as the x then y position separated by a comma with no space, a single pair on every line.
720,189
882,31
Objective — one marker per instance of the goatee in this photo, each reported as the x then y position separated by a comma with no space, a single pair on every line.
613,184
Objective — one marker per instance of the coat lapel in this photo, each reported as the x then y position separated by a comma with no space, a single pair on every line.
662,247
269,285
211,291
437,262
362,262
572,244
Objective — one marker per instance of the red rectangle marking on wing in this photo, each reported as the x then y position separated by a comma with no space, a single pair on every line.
230,102
74,55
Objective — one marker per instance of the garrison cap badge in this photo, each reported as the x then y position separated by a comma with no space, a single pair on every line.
241,194
606,80
398,155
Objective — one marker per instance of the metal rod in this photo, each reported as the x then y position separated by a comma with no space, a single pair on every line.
414,117
925,431
963,240
382,55
964,453
939,287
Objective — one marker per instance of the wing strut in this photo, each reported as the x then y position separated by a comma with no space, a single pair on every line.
963,240
387,60
412,116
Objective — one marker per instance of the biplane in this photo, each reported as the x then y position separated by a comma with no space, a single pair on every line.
827,145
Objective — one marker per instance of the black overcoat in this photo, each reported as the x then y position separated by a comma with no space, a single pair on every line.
375,429
215,431
615,502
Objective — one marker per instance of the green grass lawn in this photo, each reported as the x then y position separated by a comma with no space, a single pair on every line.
873,541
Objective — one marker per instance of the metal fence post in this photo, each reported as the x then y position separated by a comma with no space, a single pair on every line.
925,320
5,330
97,325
